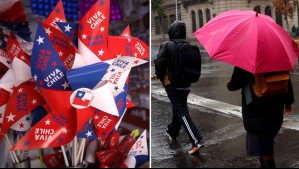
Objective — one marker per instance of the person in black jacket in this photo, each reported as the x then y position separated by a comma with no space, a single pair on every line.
177,92
262,118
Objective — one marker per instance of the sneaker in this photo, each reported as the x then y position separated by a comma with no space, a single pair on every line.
195,149
170,137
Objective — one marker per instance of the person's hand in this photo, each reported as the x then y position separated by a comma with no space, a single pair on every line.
288,110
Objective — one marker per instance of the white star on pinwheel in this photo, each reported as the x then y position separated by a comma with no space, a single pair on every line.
101,52
102,29
96,117
64,131
48,122
84,36
20,90
60,53
65,85
88,134
22,57
135,54
119,55
40,40
67,28
48,31
10,117
34,101
129,39
127,35
35,77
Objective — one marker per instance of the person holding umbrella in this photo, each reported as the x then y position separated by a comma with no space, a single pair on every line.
254,44
262,118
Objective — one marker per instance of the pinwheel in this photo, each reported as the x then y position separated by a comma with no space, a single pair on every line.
24,98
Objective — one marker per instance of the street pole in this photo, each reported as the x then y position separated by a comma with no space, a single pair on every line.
176,9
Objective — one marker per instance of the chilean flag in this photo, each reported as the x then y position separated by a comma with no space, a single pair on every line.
82,98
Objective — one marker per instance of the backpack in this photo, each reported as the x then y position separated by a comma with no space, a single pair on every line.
185,63
270,84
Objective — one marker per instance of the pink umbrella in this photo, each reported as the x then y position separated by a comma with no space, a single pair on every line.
248,40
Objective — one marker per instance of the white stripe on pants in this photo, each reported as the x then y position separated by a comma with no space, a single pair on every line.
189,129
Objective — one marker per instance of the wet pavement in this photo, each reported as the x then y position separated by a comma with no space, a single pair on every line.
224,133
224,139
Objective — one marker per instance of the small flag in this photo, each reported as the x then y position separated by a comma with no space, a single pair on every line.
87,132
104,124
82,98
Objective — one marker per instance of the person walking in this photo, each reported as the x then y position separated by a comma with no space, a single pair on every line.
169,66
262,116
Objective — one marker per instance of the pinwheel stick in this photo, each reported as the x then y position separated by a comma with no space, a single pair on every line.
81,150
65,157
12,154
75,149
40,154
82,153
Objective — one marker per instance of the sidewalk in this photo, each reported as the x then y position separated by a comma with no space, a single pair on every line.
224,138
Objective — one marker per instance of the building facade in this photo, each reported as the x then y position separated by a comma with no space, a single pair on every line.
196,13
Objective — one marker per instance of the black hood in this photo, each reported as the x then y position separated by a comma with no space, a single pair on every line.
177,30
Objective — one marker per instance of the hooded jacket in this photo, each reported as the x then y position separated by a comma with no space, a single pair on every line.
177,33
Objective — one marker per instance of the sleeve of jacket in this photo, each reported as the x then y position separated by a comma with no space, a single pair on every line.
239,79
161,61
289,97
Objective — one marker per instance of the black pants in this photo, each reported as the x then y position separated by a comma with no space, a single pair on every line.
181,115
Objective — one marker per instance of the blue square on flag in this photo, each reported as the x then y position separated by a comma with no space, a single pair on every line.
82,98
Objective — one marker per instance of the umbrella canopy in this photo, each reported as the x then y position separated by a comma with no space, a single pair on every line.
248,40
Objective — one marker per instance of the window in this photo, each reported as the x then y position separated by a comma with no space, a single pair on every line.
268,11
165,24
200,18
278,18
158,26
208,15
193,21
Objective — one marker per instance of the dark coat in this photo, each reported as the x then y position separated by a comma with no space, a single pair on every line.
176,32
264,116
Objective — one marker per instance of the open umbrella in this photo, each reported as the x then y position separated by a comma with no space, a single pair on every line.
248,40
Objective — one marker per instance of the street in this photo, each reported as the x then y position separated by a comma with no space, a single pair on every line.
217,114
